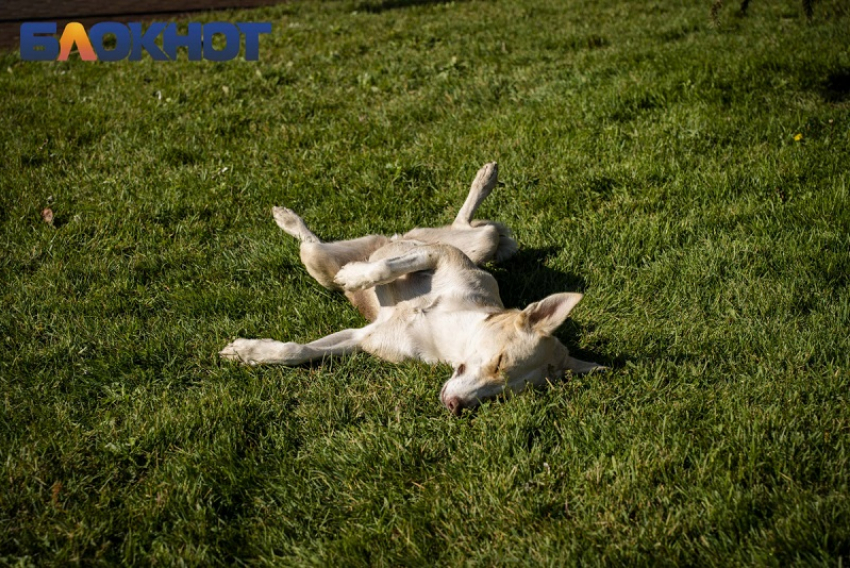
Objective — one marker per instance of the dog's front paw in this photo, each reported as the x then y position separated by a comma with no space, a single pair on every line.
355,276
243,350
260,351
582,367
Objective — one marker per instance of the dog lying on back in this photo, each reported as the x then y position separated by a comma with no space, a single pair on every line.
426,298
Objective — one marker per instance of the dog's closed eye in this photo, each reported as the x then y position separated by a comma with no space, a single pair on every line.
495,368
461,369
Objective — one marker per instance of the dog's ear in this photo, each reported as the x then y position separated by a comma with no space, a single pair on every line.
549,313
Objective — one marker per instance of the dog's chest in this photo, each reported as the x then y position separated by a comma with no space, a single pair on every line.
431,329
408,330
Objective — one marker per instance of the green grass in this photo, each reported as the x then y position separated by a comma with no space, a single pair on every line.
648,159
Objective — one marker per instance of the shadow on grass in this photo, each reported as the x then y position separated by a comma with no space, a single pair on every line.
525,278
836,87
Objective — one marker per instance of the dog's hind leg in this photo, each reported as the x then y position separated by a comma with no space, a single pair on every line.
293,225
271,352
504,246
482,241
323,260
484,182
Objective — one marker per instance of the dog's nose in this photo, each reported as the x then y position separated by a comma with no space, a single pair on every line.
454,405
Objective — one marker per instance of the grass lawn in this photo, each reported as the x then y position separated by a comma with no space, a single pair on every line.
690,178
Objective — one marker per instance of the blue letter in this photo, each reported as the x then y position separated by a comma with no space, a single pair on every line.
146,41
29,41
252,31
231,39
192,40
123,42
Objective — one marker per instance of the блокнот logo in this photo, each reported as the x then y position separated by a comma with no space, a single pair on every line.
38,43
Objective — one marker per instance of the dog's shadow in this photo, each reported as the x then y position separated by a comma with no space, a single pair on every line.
526,278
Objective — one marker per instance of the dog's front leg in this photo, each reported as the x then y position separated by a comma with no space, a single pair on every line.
581,367
361,275
271,352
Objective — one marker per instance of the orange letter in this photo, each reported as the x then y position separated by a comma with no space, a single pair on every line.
75,33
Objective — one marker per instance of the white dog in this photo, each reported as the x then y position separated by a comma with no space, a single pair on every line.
427,299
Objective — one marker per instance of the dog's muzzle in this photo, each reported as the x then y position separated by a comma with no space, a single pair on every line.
453,403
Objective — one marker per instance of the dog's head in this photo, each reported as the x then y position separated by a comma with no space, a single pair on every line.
515,349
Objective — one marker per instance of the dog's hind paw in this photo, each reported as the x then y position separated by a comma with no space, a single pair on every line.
293,225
